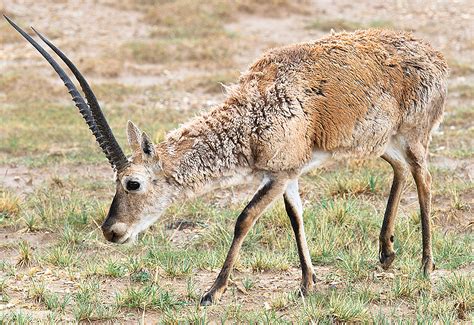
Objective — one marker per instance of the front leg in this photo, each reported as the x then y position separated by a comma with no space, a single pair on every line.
262,199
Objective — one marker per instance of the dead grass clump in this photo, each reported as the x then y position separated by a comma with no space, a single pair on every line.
25,257
9,205
357,184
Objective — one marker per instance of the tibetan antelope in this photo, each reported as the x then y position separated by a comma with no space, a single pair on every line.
371,93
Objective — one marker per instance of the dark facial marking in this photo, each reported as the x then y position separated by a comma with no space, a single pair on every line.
109,221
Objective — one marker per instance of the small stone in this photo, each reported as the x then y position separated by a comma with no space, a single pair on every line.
384,275
333,285
266,306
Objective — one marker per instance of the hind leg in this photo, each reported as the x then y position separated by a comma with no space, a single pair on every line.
386,239
417,155
294,209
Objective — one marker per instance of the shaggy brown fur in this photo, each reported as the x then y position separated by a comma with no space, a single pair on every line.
346,94
370,93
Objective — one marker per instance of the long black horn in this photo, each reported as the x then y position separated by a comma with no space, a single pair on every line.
105,140
114,148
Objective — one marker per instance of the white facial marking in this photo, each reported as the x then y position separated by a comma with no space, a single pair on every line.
149,216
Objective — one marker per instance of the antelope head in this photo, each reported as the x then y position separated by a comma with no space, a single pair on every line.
142,189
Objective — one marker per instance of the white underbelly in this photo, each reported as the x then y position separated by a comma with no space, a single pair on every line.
319,158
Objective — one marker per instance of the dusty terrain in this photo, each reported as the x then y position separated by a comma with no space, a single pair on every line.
159,63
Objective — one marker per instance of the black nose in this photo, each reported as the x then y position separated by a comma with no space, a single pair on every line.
110,235
107,227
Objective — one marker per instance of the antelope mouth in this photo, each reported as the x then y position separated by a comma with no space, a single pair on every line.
122,233
124,239
118,233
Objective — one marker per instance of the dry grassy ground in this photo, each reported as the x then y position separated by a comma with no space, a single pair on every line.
159,63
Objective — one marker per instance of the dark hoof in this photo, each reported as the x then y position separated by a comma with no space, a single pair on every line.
428,266
314,278
207,300
212,296
386,259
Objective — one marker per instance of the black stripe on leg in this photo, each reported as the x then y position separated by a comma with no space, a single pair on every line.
256,199
292,214
260,193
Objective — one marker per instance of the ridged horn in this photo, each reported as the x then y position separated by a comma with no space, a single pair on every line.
91,111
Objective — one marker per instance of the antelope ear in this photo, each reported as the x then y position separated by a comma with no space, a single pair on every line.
134,137
147,146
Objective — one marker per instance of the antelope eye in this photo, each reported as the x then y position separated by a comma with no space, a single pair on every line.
133,185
